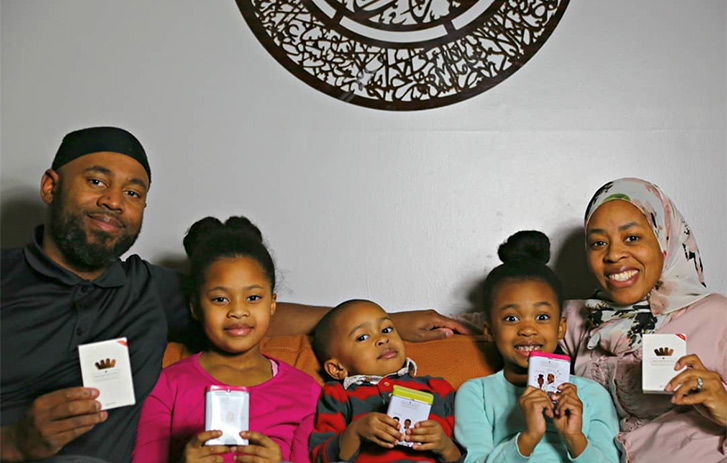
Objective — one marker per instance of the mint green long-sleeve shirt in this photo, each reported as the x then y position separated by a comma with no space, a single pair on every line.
488,421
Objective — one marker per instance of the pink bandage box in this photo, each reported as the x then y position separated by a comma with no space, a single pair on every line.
548,371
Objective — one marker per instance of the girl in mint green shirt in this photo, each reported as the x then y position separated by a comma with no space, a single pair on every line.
498,418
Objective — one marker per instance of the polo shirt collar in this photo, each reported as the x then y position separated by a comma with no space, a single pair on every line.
409,368
113,277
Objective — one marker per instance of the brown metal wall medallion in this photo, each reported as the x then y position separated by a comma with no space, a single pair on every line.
402,54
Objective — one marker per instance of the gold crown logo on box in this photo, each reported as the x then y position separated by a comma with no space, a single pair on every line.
664,351
105,364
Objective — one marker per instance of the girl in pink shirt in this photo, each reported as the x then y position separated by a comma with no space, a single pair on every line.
231,296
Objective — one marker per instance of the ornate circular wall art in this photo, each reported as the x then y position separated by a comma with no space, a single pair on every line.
402,54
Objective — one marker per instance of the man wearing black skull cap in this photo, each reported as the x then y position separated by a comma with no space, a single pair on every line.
68,287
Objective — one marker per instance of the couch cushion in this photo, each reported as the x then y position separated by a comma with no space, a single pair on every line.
455,359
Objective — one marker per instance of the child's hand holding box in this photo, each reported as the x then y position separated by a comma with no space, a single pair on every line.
227,409
547,371
408,407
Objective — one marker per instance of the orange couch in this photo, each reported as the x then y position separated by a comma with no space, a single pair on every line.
455,359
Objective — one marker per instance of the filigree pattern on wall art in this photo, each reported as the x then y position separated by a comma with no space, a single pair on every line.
402,54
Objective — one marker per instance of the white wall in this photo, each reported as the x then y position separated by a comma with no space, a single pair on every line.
403,208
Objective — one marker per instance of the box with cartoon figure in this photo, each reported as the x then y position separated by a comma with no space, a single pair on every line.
408,407
548,371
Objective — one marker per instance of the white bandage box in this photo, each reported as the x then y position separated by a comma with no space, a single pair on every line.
660,354
227,409
408,407
106,366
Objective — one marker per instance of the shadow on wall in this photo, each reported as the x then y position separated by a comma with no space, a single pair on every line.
568,262
21,210
174,261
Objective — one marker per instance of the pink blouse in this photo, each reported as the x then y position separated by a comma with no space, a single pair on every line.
653,429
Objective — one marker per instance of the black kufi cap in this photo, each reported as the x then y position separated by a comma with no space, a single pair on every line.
97,139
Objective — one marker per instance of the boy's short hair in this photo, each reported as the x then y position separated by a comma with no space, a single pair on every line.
324,331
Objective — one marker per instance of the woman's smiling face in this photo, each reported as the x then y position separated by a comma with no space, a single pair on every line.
623,253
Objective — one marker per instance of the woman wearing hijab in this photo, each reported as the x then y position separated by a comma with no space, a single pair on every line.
647,264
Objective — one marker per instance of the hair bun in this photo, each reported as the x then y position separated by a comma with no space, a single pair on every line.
243,226
198,231
211,229
525,245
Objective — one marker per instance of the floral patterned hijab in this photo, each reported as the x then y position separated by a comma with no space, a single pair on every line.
618,329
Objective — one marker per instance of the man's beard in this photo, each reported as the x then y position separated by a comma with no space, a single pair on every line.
69,235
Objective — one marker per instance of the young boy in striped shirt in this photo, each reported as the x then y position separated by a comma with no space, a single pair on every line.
359,348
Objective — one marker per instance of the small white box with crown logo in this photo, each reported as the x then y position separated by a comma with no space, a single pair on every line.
660,354
106,366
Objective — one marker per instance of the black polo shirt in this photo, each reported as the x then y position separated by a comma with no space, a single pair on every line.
47,311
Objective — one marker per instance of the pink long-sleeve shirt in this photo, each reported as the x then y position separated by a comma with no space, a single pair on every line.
283,408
